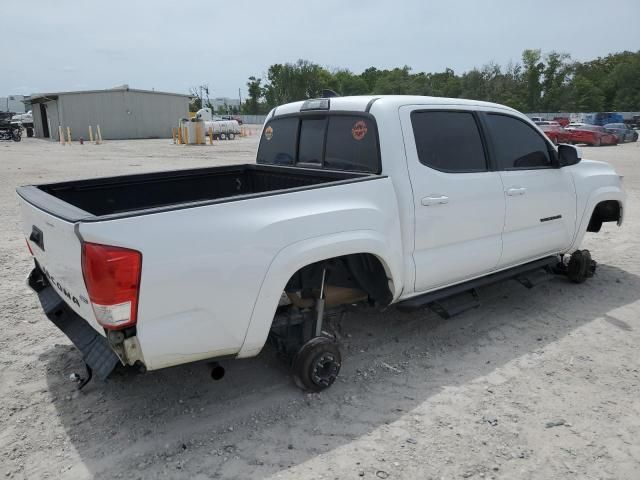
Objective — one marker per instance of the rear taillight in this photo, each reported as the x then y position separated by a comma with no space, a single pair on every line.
29,247
112,278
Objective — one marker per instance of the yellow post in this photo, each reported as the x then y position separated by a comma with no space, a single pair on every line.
90,134
173,134
186,135
61,135
179,135
210,136
198,133
98,135
69,135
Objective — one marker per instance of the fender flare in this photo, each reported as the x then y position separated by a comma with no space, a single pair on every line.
600,195
293,257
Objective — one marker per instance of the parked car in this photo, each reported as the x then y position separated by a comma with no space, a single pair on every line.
232,117
623,131
159,269
563,121
556,133
591,135
602,118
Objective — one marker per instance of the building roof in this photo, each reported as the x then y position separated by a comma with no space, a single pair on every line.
45,97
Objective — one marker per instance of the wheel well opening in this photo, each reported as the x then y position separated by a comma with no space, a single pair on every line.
606,211
347,279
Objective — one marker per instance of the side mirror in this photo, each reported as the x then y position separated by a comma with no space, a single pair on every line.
567,155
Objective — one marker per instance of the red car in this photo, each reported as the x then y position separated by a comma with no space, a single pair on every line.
591,135
556,133
563,121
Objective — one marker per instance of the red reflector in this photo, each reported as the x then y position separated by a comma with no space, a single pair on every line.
112,278
29,247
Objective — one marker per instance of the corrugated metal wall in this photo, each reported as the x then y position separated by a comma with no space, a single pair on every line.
120,114
252,119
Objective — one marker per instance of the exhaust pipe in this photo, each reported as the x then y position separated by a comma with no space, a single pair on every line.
217,371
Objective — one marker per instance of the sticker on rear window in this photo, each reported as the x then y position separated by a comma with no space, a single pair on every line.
268,133
359,130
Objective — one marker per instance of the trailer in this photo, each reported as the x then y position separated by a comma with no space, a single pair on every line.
222,129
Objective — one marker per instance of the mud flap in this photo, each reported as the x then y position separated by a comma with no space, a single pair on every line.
94,347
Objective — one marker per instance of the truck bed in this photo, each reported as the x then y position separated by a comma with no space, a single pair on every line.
135,194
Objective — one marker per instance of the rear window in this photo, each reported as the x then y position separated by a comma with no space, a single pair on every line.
352,144
311,141
278,142
337,142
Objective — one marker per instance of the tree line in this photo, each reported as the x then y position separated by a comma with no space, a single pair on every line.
550,82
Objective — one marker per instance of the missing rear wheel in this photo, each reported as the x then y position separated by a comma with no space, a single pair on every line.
317,364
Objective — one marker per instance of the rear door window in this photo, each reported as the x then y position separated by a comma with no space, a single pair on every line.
278,142
448,141
516,144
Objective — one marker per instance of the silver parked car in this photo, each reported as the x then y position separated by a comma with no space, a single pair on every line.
623,131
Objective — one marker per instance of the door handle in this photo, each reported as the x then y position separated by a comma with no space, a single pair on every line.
516,191
435,200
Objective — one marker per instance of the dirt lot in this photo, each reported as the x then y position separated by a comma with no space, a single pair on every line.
541,383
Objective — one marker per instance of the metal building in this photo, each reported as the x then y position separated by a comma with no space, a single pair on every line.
121,112
12,103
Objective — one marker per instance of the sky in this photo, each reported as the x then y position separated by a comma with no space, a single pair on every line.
175,45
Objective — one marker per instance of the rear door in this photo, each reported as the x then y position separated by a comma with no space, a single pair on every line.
540,198
458,201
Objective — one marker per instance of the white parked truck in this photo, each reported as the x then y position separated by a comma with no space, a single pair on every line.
352,200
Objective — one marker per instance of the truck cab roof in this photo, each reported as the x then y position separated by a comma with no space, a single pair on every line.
364,103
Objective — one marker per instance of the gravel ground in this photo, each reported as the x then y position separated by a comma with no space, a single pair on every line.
540,383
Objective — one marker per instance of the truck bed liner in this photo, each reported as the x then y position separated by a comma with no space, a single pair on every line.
131,193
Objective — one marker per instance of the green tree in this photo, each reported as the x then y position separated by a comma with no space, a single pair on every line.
549,82
533,69
295,81
195,104
252,105
587,97
556,74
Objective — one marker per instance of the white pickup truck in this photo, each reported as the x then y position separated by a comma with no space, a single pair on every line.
378,200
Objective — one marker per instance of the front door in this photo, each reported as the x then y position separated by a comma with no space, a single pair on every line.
459,203
540,198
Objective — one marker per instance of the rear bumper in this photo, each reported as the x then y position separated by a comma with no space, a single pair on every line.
95,349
